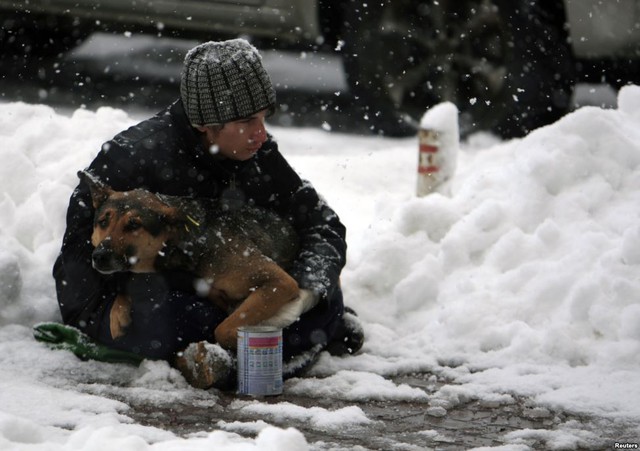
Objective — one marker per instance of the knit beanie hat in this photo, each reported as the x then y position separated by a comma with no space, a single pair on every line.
223,82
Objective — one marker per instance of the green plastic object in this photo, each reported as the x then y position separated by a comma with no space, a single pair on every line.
61,336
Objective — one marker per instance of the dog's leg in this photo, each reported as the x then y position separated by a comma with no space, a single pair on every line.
270,289
120,316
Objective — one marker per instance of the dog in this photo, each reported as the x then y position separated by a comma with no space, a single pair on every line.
239,256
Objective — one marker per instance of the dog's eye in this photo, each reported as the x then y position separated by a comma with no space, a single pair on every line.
103,222
134,224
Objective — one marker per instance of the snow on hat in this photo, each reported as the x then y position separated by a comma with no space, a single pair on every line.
223,82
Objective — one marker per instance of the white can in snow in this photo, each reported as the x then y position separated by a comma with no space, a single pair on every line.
259,361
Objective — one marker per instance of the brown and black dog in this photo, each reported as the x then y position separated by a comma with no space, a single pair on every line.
239,256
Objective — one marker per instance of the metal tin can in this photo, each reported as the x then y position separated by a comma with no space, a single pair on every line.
259,361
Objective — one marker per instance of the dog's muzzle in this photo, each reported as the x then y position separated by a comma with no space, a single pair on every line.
106,261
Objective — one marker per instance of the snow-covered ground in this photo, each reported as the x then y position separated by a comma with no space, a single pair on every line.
520,278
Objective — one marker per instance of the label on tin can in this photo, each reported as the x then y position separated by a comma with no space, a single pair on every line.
259,361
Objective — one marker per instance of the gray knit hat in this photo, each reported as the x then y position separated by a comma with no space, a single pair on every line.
223,82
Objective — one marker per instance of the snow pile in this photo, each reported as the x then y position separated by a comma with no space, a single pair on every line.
522,281
534,255
529,271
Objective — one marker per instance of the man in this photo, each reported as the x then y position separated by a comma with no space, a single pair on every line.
211,143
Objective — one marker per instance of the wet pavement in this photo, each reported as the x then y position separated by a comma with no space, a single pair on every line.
396,425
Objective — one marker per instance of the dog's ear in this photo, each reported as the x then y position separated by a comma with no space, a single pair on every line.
100,191
181,212
171,214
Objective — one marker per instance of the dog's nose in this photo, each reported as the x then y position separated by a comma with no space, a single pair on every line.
100,258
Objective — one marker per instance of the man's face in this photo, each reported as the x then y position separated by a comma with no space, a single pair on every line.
238,140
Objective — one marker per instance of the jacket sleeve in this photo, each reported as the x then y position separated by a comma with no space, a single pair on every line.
82,292
323,247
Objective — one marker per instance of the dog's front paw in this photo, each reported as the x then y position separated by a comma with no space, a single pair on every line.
205,365
120,316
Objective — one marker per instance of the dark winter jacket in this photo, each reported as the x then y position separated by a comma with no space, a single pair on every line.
166,155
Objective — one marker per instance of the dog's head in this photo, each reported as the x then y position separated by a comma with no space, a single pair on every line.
130,228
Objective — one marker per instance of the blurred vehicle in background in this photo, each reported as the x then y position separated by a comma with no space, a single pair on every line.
509,65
